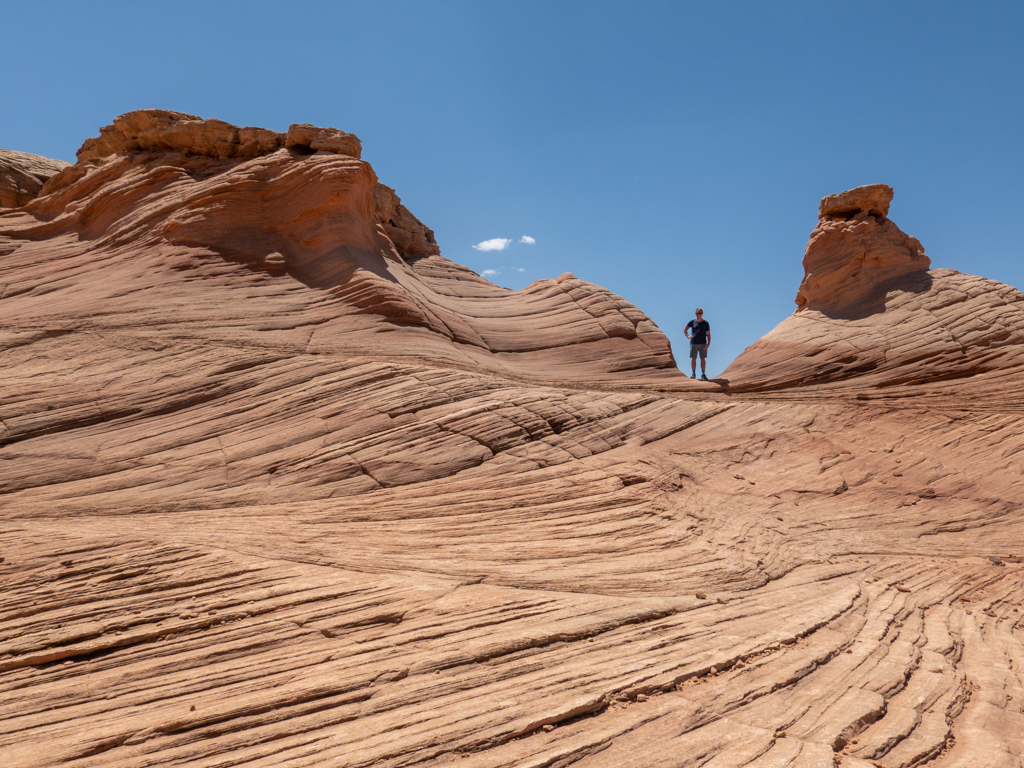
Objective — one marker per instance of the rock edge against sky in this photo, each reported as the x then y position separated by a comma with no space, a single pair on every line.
281,485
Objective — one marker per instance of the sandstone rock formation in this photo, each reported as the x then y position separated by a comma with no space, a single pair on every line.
855,252
22,176
160,130
282,486
226,212
874,320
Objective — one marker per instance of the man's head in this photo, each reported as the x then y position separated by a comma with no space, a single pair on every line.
700,312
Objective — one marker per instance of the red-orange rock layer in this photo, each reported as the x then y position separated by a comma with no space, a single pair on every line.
279,491
873,320
22,176
287,249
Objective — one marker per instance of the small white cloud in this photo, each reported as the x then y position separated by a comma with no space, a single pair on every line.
488,272
519,269
527,239
497,244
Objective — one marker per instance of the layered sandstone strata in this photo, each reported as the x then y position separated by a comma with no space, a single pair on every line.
856,253
191,211
872,318
161,130
22,176
281,486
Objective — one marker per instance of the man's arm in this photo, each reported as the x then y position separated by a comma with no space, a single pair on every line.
706,346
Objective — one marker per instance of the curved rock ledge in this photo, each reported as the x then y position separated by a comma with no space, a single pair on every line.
271,246
282,488
23,175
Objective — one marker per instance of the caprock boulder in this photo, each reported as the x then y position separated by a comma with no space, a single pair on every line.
282,486
872,318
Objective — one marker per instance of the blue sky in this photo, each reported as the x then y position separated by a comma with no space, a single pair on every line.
673,152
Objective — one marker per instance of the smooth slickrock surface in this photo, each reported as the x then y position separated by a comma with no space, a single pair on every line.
282,486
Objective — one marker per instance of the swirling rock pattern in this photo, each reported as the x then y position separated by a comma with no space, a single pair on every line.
22,176
281,486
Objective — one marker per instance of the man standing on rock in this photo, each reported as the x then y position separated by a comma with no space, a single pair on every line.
700,340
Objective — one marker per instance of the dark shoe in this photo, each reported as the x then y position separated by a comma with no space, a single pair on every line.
703,377
693,375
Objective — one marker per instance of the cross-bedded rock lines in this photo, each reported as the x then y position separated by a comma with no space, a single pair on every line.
282,486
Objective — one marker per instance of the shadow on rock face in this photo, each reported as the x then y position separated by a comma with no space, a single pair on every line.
855,253
871,317
232,226
330,271
874,301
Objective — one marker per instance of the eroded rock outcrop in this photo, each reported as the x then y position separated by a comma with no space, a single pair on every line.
161,130
873,317
855,252
22,176
259,511
163,194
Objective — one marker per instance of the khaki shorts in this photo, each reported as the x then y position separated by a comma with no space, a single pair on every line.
698,349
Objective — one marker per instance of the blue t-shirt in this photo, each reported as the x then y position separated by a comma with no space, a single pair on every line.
700,330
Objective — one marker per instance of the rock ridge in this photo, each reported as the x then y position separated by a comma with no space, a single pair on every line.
161,130
202,198
22,176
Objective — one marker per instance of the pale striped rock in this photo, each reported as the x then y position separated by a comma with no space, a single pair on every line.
282,486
